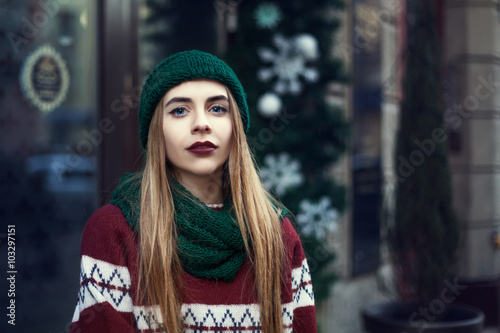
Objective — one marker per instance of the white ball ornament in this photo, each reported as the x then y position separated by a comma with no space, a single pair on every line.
307,45
269,105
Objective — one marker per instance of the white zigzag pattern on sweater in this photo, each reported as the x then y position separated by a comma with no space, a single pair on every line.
101,282
302,286
214,318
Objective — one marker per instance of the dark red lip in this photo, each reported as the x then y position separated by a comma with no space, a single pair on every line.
206,144
202,148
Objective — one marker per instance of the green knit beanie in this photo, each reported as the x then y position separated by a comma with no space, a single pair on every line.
181,67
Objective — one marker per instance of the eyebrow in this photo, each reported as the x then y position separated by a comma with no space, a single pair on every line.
217,98
178,100
188,100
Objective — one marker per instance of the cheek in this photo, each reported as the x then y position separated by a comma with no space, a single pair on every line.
173,153
170,136
227,137
166,135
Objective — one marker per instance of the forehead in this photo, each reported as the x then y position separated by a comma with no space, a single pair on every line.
200,87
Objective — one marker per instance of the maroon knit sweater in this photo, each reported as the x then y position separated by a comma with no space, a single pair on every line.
108,282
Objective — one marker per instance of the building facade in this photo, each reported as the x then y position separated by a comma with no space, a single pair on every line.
471,90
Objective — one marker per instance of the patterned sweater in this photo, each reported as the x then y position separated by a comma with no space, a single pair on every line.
109,275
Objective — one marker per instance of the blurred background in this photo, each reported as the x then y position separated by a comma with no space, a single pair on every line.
328,86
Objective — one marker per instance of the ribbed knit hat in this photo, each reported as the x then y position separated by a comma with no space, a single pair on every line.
181,67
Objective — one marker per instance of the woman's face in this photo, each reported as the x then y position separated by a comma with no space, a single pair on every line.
197,128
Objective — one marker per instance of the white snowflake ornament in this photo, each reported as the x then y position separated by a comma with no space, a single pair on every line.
281,173
317,219
288,64
308,46
267,16
269,105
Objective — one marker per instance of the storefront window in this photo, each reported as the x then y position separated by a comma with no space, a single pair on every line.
48,151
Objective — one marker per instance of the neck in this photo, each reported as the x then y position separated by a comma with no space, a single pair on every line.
207,189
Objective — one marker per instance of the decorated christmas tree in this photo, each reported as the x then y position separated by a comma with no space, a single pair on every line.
282,53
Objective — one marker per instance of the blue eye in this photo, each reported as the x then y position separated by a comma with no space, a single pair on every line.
178,112
218,109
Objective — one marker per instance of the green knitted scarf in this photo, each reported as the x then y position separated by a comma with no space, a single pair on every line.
210,243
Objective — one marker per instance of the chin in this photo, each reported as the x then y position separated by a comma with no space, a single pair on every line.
200,170
205,172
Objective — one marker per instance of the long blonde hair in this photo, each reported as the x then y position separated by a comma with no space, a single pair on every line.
160,271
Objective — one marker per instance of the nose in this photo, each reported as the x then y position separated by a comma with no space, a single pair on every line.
201,123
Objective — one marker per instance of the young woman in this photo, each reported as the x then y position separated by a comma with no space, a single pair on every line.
193,242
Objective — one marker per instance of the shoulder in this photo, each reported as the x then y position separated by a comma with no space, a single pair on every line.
293,245
108,236
289,233
105,222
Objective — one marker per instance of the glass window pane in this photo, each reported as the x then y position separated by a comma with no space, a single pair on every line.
48,151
